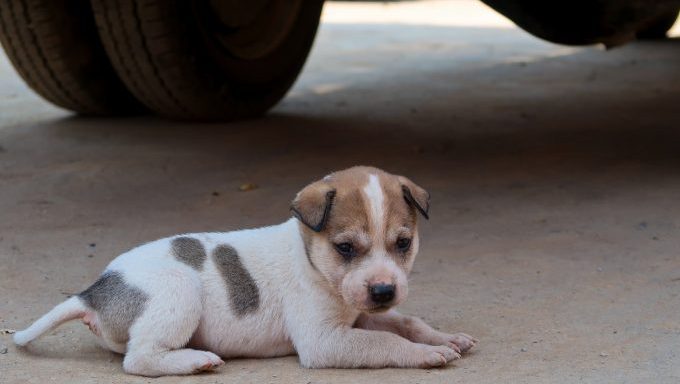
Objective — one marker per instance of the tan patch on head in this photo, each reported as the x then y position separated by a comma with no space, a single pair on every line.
401,219
398,211
348,212
354,209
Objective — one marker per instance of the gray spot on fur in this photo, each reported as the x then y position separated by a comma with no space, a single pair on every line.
243,292
117,304
189,251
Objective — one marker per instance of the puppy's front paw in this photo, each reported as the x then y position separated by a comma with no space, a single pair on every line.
462,341
436,356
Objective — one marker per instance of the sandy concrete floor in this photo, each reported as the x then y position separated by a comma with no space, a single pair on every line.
554,174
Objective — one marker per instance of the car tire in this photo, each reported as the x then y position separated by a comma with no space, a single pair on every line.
201,60
55,48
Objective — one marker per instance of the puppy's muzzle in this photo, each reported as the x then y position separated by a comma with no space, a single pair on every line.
382,293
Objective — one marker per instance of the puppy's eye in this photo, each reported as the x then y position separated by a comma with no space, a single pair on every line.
345,249
403,244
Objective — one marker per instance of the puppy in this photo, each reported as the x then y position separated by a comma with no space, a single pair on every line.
322,284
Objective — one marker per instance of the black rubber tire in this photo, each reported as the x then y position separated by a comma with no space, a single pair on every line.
659,28
54,46
165,59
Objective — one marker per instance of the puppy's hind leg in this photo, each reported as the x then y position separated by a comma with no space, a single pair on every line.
159,336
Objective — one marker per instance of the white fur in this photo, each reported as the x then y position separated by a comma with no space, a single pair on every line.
376,199
68,310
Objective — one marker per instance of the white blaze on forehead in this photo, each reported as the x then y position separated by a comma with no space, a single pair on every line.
376,198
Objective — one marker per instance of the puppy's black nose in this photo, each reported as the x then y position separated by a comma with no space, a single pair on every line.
381,293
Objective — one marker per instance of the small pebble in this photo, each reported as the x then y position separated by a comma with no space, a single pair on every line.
603,354
523,349
247,187
92,245
3,350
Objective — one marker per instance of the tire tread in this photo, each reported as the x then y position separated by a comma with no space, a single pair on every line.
44,40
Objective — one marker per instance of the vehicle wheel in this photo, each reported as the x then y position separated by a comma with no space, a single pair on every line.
208,59
659,28
54,46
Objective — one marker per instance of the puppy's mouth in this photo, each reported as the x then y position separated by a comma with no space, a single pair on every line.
379,308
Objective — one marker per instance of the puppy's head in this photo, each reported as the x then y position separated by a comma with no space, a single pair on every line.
360,232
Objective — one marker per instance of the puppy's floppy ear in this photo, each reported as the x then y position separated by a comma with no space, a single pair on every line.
415,196
312,206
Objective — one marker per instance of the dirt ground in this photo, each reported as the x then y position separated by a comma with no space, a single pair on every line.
554,173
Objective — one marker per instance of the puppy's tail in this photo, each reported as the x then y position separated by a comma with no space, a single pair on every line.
70,309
